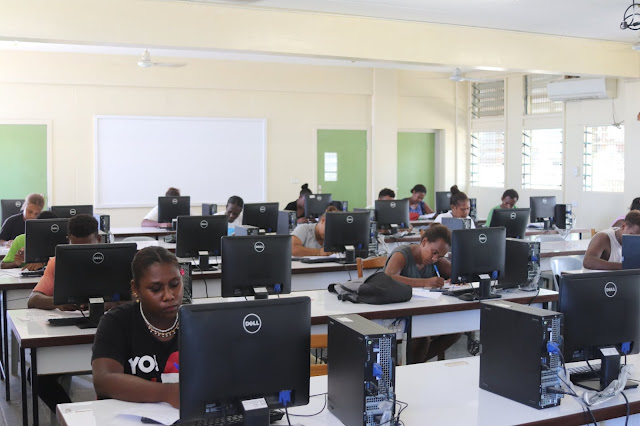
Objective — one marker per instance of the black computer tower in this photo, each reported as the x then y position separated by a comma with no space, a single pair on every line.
514,360
562,216
521,264
209,209
241,230
287,222
185,274
361,370
473,208
104,222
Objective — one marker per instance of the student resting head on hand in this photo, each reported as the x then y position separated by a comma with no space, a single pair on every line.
135,351
151,219
308,238
298,205
605,248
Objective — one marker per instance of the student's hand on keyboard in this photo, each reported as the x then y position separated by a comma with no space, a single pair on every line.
324,253
33,266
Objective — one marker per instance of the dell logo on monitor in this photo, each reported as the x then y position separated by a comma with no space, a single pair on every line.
174,201
263,209
392,205
259,246
349,219
512,216
319,197
55,228
72,212
18,204
98,258
204,224
610,289
252,323
482,238
544,201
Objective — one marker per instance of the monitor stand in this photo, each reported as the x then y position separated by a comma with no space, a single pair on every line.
96,311
485,288
609,371
260,293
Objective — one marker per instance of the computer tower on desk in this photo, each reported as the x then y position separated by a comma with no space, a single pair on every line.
287,222
104,222
514,360
473,208
246,230
209,209
521,264
563,216
361,371
373,239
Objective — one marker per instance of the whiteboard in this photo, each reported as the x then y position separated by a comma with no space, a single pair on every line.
208,159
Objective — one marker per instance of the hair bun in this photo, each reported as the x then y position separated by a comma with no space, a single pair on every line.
305,186
454,189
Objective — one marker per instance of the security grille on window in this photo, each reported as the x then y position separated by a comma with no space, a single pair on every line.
487,159
603,159
487,99
535,92
542,159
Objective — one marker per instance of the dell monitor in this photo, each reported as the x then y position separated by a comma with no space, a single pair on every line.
256,265
347,232
476,252
601,310
200,236
392,213
42,236
542,208
316,204
232,352
94,274
631,251
170,208
514,220
261,215
9,208
70,211
443,203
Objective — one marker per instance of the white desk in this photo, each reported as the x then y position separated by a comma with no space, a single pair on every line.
438,393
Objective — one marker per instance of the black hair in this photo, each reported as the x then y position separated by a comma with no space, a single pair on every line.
457,196
632,218
147,257
337,204
512,193
635,204
386,192
235,200
304,190
47,214
419,188
172,192
83,225
436,232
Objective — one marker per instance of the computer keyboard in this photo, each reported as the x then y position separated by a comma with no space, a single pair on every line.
234,419
459,292
320,260
583,372
36,273
61,322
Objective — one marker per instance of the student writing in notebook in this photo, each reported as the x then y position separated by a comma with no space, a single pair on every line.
417,207
605,248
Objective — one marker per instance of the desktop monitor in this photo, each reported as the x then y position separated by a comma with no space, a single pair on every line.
443,204
196,234
70,211
475,252
631,252
230,352
253,262
601,309
261,215
316,204
9,208
344,229
514,220
541,208
392,212
86,272
42,236
170,208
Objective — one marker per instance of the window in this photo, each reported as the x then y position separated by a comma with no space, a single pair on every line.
535,95
487,159
542,159
330,166
603,159
487,99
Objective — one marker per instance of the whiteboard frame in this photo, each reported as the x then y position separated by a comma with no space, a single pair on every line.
96,167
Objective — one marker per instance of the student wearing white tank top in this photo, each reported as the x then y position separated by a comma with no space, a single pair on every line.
605,248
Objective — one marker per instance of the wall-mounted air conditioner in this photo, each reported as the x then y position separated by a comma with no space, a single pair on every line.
575,89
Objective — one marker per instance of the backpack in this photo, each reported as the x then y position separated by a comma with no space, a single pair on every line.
377,289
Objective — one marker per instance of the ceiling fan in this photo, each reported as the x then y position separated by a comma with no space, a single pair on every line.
457,77
146,62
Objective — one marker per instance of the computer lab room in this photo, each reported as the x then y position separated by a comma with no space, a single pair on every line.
254,212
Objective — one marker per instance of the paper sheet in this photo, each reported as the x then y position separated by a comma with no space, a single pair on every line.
425,293
160,412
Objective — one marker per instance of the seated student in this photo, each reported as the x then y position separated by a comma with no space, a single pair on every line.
424,265
151,219
15,256
233,211
417,207
509,200
83,229
605,248
135,350
14,225
635,205
308,238
298,205
460,206
387,194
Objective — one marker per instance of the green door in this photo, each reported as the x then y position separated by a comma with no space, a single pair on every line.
416,163
342,165
23,148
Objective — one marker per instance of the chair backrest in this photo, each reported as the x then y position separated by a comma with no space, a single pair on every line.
139,238
319,341
370,263
564,263
552,237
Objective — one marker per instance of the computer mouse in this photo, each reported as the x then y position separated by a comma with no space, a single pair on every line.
467,297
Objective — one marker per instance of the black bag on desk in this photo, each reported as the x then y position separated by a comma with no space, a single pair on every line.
377,289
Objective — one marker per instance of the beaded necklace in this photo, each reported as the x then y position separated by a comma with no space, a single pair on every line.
169,332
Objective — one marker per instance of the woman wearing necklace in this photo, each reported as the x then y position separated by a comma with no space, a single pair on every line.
135,352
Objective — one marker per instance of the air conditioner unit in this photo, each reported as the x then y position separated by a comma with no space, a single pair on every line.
576,89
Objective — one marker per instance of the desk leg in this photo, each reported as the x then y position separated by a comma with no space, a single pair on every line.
408,345
23,382
34,385
5,344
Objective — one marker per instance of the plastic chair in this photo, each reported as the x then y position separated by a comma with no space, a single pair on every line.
138,238
564,263
546,238
369,263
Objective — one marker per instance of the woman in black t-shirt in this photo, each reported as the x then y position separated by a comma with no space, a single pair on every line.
135,352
